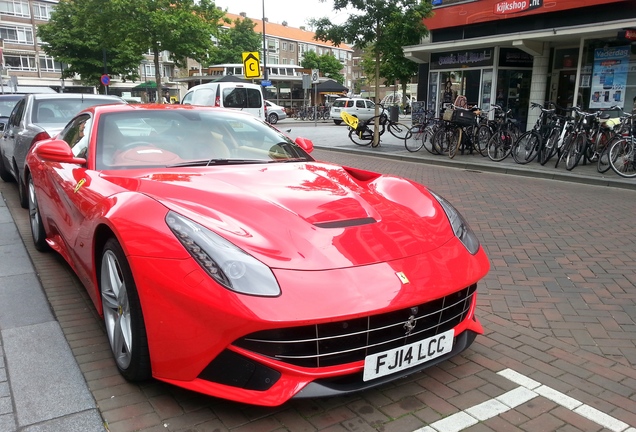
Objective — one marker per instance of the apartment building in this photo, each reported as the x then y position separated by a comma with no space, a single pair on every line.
26,67
285,49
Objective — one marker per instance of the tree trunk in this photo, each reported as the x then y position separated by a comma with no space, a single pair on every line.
376,123
159,95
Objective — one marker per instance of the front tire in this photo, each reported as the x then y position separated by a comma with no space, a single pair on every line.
122,314
35,220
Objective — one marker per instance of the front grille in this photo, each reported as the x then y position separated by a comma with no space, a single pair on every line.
348,341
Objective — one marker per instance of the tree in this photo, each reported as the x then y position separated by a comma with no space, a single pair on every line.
383,24
328,65
92,35
78,35
232,42
182,27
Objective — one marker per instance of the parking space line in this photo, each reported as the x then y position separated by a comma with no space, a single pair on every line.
528,389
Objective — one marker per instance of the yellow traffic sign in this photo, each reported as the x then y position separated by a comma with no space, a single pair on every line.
251,65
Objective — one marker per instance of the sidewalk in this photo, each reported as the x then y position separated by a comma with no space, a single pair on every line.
329,136
41,386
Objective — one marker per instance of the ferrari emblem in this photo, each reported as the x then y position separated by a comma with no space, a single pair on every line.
79,185
402,277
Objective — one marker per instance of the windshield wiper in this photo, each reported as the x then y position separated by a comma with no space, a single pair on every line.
209,162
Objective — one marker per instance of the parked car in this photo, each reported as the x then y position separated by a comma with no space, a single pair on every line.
36,117
256,273
241,96
274,112
363,109
7,102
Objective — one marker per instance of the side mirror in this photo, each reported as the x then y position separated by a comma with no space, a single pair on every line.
305,143
57,151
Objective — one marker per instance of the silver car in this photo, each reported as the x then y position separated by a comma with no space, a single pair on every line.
34,118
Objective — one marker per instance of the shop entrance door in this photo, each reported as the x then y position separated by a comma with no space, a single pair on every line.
565,92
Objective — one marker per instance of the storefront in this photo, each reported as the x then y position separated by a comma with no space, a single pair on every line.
470,74
512,53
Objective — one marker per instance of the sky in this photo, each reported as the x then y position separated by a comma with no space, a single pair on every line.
295,12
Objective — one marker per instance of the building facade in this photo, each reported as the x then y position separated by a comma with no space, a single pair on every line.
285,49
514,52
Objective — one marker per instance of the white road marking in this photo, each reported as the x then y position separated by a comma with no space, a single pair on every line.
528,390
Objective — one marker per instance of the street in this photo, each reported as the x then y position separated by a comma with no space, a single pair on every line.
558,308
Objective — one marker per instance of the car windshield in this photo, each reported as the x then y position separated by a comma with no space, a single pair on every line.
189,137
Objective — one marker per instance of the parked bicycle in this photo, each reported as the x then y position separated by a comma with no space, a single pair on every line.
421,134
532,143
505,134
622,153
362,132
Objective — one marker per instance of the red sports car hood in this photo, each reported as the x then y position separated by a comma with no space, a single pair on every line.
309,216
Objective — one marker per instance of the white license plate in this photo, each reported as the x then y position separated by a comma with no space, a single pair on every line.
336,110
397,359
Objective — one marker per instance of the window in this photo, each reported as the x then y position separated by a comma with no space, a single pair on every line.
291,47
15,8
240,97
76,135
16,34
21,62
48,64
42,11
284,46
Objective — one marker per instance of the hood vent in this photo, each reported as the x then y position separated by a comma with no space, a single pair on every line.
346,223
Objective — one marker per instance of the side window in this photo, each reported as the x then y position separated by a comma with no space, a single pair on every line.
77,134
370,104
349,104
17,113
187,99
204,96
360,104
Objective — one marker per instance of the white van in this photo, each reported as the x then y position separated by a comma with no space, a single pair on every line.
246,97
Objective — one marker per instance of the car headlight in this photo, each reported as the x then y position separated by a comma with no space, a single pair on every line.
459,225
224,262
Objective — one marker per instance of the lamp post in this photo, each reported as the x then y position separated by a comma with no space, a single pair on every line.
146,83
264,46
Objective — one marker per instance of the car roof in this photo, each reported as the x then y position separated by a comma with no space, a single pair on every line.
42,96
11,97
101,109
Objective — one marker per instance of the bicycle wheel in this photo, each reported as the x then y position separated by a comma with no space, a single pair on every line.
622,157
499,146
600,142
573,157
526,147
399,130
550,147
602,164
441,140
483,135
427,138
362,137
415,141
455,141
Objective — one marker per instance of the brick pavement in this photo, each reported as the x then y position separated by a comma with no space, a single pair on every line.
558,306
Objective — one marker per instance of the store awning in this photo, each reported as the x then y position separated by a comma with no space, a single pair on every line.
145,85
331,86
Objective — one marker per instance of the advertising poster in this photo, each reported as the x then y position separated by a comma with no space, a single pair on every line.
609,77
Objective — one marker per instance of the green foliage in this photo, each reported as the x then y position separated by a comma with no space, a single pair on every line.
79,32
327,64
232,42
